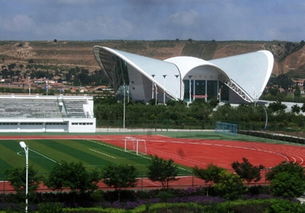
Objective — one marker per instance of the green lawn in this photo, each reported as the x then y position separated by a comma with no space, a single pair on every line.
45,153
223,136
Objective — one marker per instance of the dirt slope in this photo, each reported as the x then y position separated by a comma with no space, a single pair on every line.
289,56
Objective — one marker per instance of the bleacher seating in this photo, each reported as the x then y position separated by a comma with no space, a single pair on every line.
74,108
29,108
41,108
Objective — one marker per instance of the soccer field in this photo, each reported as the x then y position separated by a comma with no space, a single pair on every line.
44,154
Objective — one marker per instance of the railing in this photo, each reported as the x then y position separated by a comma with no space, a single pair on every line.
239,91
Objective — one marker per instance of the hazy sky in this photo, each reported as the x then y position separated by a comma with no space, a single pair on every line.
152,19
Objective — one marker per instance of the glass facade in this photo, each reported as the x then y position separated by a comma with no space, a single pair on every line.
121,71
212,89
187,90
201,88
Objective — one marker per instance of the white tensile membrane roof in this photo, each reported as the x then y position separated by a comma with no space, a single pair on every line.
153,69
250,71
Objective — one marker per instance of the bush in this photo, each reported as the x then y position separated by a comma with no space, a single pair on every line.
50,208
229,186
164,195
284,206
97,195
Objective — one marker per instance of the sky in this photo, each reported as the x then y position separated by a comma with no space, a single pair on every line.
152,19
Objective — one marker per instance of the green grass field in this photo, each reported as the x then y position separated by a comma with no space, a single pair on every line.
44,154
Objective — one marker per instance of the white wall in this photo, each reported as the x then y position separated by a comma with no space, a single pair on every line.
82,125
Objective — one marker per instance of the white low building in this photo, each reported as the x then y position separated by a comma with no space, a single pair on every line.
34,113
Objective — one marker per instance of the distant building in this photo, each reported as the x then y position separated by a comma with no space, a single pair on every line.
299,82
235,79
46,113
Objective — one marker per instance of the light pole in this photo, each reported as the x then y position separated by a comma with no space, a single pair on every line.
266,117
29,85
124,109
26,151
164,76
155,90
152,87
179,86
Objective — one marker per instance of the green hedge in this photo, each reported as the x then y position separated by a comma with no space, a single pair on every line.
239,206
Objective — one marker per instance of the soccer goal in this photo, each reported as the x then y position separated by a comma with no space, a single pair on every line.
224,127
136,145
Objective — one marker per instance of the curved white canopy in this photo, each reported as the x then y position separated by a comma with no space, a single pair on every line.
251,71
186,64
153,69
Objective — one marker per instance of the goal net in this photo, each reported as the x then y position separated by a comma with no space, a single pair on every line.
136,145
224,127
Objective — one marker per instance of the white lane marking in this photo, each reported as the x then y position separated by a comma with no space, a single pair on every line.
222,145
50,159
132,153
102,153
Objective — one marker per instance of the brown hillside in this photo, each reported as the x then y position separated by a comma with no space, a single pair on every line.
289,56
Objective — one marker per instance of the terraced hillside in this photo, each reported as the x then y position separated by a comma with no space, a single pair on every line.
289,56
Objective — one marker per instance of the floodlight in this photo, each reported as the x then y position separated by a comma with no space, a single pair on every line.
22,144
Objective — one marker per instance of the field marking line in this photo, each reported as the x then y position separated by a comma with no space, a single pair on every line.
102,153
121,150
50,159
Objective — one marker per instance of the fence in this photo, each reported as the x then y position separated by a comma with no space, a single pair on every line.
197,124
143,183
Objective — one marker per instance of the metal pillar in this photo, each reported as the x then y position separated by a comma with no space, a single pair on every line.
190,89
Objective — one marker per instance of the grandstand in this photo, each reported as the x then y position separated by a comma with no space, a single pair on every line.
46,113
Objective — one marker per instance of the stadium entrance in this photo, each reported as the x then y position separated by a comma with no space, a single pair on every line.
205,90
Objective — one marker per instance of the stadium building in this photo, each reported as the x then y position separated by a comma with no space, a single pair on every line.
46,114
236,79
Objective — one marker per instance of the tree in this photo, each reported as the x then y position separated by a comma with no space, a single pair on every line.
289,167
162,171
287,185
303,107
297,91
247,171
296,109
210,175
284,81
277,106
287,179
72,175
274,91
229,185
119,176
17,179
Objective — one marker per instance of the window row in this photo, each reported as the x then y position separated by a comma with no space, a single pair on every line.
82,123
